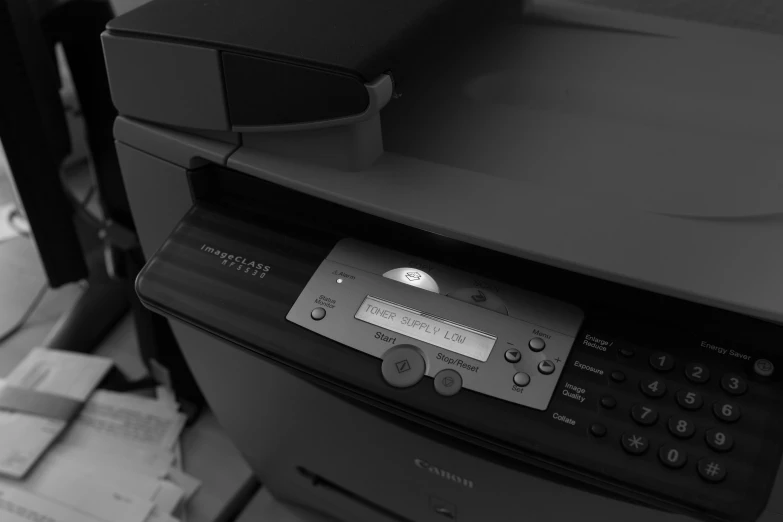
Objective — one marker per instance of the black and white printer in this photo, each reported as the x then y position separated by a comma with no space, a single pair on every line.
430,260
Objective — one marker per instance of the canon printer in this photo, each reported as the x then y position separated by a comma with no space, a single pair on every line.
447,260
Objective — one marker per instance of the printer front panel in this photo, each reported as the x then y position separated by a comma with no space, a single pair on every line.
242,257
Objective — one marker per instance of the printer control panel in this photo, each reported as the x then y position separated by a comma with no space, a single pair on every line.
691,408
423,319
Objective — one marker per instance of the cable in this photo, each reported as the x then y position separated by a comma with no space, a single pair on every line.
25,316
13,216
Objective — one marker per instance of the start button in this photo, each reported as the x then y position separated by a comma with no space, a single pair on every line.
403,366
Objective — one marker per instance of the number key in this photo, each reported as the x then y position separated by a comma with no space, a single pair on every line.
689,400
733,384
697,372
681,427
726,411
719,440
644,415
653,387
672,456
661,361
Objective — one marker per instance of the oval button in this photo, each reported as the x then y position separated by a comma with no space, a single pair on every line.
536,344
413,277
480,297
403,366
521,379
763,367
546,367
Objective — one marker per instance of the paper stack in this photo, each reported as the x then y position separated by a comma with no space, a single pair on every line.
118,461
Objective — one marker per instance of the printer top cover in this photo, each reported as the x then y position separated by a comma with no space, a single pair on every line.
647,159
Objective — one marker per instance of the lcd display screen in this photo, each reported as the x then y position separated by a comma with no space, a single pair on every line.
426,328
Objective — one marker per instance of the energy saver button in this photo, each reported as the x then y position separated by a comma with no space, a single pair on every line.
403,366
448,382
763,367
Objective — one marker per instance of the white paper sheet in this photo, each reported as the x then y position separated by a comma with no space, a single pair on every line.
127,424
85,493
23,437
17,505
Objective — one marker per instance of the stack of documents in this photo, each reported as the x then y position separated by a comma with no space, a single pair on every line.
119,460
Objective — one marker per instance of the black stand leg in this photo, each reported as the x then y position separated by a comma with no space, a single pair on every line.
77,25
92,317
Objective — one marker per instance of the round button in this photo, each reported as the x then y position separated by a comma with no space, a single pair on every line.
653,387
448,382
712,470
644,415
718,439
403,366
634,444
413,277
726,411
618,376
672,457
598,430
626,351
480,297
733,384
318,313
536,344
697,372
608,402
763,367
662,361
690,400
681,427
513,356
546,367
521,379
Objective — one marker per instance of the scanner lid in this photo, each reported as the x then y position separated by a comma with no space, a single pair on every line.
358,37
653,161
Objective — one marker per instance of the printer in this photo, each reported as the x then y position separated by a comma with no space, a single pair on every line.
440,260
